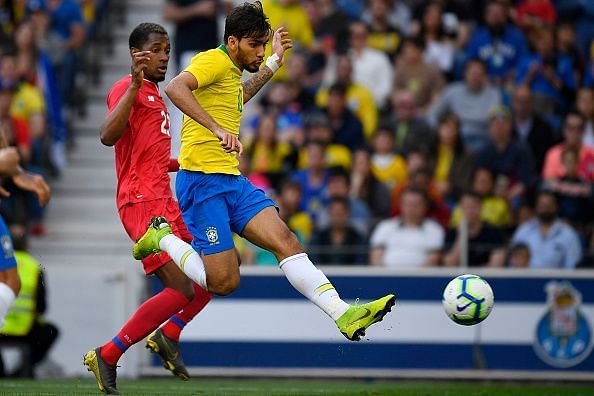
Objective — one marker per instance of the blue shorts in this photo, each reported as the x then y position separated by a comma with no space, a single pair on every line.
7,260
215,205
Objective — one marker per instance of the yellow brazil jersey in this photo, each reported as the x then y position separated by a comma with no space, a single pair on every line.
220,93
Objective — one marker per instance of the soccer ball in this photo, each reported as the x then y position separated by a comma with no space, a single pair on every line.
467,299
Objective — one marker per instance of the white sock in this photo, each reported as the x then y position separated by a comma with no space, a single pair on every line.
313,284
186,258
6,299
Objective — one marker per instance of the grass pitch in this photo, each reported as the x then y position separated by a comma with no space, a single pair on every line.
261,387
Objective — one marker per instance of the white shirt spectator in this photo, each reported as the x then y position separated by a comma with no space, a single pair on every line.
407,246
372,69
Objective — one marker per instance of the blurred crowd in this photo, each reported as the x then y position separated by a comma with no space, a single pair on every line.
42,53
404,133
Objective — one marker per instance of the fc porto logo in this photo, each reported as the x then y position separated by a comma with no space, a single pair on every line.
212,235
563,335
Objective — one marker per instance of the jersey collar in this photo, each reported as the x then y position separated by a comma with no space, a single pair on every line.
224,49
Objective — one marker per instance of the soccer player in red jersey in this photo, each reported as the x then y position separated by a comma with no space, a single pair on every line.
137,125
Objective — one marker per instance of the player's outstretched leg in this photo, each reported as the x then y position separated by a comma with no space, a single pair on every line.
105,373
266,229
358,318
159,237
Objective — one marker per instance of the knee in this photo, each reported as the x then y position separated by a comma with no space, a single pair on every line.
223,287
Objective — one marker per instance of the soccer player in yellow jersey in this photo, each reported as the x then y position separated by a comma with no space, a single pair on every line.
215,198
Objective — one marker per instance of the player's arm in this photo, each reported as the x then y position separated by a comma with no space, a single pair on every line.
9,166
279,45
116,121
179,90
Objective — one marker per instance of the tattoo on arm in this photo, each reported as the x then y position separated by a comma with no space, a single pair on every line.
253,85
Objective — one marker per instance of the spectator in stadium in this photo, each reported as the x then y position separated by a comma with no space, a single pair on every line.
499,44
267,154
574,193
196,27
567,46
581,15
365,186
398,16
519,256
289,201
470,100
21,206
28,103
421,178
529,127
423,81
320,130
383,35
440,49
387,166
454,163
347,128
66,36
35,67
338,243
585,106
510,160
410,240
277,101
15,130
25,322
339,186
291,15
300,84
573,133
313,180
548,74
494,209
371,68
411,132
358,98
485,242
331,26
552,243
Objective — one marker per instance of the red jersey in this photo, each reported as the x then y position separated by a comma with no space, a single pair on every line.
142,152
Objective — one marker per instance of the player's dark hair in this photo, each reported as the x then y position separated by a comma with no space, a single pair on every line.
247,20
141,33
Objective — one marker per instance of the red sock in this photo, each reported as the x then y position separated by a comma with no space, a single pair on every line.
175,325
147,318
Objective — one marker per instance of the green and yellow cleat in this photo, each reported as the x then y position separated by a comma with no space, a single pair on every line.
168,351
358,318
105,373
149,243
